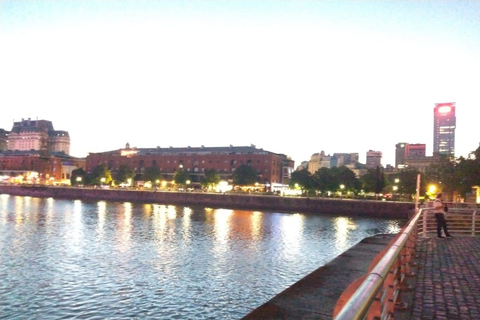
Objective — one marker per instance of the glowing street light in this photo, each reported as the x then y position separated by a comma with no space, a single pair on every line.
342,186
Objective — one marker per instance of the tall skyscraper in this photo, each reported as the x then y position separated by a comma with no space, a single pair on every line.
444,129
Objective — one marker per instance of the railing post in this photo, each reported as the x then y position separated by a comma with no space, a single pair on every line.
417,193
424,213
473,222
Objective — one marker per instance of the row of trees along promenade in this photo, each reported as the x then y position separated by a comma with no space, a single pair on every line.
455,177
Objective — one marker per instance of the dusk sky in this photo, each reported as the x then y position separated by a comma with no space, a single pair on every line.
292,77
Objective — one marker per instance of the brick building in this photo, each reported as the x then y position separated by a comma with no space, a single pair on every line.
270,167
34,167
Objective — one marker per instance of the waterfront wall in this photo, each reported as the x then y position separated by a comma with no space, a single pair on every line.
381,209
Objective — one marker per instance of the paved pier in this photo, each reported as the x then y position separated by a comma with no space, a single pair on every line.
446,285
447,281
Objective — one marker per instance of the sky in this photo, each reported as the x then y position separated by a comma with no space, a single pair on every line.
291,77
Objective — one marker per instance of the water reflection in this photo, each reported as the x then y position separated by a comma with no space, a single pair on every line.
256,220
343,226
222,225
291,227
393,226
19,214
49,214
127,260
102,214
187,224
124,227
4,206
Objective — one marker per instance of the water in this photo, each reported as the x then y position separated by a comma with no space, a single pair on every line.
62,259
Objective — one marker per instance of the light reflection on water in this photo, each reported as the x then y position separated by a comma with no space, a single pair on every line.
62,259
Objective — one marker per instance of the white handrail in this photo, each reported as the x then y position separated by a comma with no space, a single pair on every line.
473,222
359,304
456,220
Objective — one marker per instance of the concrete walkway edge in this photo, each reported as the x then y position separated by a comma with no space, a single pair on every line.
315,296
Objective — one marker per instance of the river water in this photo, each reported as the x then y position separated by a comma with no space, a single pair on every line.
72,259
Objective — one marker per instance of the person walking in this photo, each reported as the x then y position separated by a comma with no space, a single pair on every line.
440,217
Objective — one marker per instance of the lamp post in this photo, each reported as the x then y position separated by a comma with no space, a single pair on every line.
342,186
395,188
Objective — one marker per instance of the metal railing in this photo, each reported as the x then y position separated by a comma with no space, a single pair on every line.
461,221
379,294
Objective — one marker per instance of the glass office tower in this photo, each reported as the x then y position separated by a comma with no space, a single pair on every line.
444,129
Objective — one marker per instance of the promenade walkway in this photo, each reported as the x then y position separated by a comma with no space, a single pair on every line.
447,281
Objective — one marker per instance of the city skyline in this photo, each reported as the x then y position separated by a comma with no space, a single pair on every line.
289,77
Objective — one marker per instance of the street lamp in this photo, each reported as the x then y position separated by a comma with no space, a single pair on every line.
342,186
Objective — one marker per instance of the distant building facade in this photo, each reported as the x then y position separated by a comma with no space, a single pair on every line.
321,160
444,123
3,140
302,165
421,164
270,167
408,151
33,167
374,159
346,159
37,135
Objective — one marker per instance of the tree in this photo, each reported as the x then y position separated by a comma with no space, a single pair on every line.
407,182
442,175
123,173
369,181
100,175
324,180
345,176
211,178
78,177
152,174
303,178
181,176
244,175
467,175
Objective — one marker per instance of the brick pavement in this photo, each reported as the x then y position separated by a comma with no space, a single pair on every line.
447,281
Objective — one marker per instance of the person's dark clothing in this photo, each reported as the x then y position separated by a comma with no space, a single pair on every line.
441,224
